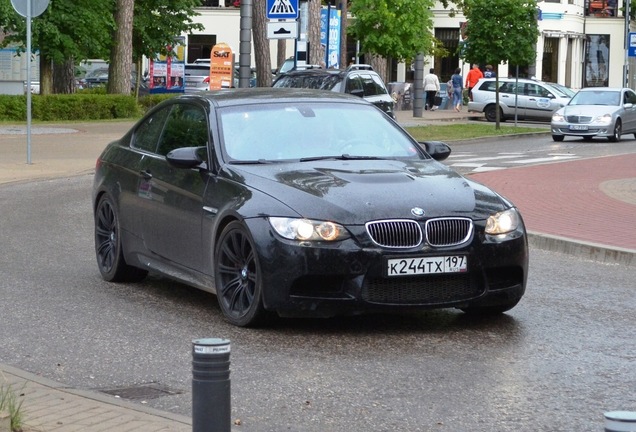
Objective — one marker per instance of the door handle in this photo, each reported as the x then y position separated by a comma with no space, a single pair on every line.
146,174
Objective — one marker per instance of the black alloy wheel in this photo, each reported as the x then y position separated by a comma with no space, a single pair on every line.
238,280
108,245
618,130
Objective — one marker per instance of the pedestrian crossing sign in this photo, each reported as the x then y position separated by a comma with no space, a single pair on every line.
282,9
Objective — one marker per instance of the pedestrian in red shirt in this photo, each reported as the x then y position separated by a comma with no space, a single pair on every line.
472,77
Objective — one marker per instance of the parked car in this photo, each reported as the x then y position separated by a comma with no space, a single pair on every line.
99,78
197,76
359,80
303,203
525,98
597,112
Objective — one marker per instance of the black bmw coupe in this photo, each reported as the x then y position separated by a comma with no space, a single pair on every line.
302,203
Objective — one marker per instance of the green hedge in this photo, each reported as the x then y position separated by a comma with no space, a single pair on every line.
70,107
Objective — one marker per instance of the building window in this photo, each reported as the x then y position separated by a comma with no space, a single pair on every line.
597,60
601,8
200,47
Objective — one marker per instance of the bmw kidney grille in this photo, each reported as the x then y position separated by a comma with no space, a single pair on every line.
408,233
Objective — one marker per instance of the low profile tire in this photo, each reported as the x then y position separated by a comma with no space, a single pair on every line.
238,278
490,310
491,113
108,245
618,130
558,138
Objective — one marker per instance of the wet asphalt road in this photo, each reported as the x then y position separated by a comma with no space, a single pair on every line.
564,356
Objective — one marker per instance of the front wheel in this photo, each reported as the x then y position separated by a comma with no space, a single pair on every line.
238,277
109,246
557,138
618,128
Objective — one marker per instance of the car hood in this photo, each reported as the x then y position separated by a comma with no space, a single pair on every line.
589,110
355,192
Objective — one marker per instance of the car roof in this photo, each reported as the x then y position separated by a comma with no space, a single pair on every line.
265,95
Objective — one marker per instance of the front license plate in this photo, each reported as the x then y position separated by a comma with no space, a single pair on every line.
578,127
427,265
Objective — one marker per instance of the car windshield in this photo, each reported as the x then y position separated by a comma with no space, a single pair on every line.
597,97
310,81
562,90
300,131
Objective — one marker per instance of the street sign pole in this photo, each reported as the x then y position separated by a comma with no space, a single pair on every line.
29,9
28,88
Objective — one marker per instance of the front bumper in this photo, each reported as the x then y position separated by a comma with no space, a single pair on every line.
593,130
349,277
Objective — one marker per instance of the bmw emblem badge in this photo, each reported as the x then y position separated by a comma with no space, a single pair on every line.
417,212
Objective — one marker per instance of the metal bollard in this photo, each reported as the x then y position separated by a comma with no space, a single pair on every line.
211,404
620,421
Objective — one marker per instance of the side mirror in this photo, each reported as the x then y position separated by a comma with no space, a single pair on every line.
185,157
628,105
436,149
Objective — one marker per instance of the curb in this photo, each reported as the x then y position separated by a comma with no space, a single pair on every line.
93,395
582,249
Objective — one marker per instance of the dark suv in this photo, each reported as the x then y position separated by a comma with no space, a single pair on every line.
359,80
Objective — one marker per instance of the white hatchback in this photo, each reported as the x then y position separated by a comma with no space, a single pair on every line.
524,98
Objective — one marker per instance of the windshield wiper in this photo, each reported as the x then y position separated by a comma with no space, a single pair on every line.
341,157
250,162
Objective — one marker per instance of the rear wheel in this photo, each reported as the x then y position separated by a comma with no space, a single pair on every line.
557,138
491,113
618,129
238,277
109,247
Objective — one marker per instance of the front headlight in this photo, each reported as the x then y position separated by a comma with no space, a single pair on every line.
308,230
605,119
556,117
503,222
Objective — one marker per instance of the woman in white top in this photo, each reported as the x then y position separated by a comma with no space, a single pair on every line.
431,87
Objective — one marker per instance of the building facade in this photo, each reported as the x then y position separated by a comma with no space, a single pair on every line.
581,42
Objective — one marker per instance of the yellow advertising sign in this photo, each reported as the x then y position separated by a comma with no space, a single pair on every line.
221,67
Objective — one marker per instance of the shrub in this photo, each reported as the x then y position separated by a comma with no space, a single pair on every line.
59,107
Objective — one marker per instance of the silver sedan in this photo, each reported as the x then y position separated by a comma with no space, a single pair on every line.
597,112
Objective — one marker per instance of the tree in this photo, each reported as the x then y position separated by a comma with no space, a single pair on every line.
261,44
121,54
393,28
500,31
68,31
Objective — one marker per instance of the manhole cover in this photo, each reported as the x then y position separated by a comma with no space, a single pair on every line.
142,392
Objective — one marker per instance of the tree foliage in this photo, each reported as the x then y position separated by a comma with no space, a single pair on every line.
393,28
76,30
500,31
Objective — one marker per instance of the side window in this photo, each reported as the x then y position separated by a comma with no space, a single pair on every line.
508,87
489,86
148,133
630,97
186,127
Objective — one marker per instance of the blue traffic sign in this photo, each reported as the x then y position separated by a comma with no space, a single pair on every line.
631,51
282,9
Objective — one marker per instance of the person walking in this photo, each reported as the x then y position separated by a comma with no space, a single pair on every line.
472,77
431,87
490,73
457,80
